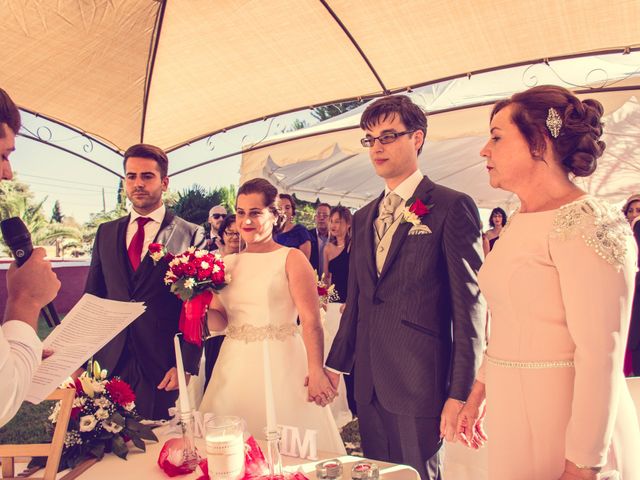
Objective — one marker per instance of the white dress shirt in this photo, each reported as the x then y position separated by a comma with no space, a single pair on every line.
20,356
150,229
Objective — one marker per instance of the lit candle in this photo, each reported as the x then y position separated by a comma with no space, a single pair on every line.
185,405
268,388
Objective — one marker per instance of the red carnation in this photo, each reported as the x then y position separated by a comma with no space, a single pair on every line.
189,269
419,208
203,274
217,277
78,386
120,391
155,247
322,291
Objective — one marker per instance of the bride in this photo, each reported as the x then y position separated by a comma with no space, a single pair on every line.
270,287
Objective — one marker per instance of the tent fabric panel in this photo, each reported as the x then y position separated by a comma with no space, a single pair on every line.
82,63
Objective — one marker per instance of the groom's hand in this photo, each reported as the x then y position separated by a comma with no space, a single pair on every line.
170,380
449,419
334,378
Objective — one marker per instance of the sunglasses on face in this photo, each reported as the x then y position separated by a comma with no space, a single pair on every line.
216,216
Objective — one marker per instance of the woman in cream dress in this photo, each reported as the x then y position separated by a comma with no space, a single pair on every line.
270,286
559,286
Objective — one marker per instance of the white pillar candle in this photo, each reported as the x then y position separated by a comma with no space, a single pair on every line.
225,456
185,404
268,388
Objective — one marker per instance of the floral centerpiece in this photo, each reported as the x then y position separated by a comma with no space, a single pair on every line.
326,292
103,419
193,276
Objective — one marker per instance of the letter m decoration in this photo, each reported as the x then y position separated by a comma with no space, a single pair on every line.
294,446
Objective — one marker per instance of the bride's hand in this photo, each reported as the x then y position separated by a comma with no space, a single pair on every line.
319,388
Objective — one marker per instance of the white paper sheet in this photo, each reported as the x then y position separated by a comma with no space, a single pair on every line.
88,327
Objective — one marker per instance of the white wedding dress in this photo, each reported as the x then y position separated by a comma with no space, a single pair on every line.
259,306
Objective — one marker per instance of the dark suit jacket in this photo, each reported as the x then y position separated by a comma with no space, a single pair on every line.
148,341
415,335
315,257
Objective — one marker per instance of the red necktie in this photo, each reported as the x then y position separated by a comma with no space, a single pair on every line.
135,247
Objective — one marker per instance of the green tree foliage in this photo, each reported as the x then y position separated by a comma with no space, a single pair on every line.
329,111
121,199
56,214
194,203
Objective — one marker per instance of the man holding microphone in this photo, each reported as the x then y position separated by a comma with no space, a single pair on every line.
29,289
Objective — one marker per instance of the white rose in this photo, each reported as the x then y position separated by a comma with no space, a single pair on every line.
102,414
87,423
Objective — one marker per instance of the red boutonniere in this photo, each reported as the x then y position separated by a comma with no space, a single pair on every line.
415,212
158,251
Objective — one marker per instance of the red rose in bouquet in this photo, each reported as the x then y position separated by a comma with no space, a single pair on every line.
193,276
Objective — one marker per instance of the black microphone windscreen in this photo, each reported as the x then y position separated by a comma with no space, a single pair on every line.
14,232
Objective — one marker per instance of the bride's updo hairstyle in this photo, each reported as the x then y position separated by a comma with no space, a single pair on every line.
574,129
270,196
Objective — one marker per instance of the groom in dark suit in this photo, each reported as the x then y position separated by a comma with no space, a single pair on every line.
143,354
413,327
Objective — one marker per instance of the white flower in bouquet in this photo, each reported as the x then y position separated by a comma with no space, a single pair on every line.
174,262
87,385
189,283
200,254
216,268
183,259
72,438
98,387
101,402
101,414
54,414
111,427
79,402
87,423
205,266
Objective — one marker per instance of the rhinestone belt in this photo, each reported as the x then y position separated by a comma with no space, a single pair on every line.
512,364
252,333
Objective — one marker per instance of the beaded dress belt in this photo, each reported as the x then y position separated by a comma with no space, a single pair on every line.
513,364
253,333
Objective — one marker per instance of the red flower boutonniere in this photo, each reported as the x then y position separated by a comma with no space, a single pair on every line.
158,251
415,212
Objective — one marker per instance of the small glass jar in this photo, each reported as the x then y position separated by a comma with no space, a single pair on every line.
329,470
364,469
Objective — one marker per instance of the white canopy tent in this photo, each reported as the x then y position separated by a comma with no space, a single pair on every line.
169,72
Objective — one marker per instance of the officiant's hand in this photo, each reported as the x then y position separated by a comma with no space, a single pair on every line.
170,380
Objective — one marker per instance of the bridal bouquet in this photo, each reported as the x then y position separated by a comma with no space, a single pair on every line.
193,276
103,418
326,292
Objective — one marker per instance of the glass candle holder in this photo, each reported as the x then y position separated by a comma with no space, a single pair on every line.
364,470
329,470
225,447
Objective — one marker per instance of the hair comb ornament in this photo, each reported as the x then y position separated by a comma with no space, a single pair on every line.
554,122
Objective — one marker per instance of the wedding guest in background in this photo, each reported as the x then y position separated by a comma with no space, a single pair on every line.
559,288
292,234
413,326
336,253
631,210
497,220
217,215
336,261
270,286
143,353
319,237
29,289
230,240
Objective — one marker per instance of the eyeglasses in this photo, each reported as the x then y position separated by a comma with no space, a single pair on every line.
384,139
232,234
216,216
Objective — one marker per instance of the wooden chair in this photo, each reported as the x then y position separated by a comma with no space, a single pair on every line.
53,450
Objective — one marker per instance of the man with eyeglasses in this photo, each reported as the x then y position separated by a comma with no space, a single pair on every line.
217,215
413,327
319,236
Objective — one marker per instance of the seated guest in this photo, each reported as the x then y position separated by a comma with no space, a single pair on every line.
497,220
319,237
292,234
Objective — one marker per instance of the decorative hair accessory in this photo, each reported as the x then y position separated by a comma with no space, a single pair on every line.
554,122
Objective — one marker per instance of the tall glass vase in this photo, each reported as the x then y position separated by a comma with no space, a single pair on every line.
191,458
273,458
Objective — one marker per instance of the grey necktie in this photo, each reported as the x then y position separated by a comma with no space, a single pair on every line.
387,208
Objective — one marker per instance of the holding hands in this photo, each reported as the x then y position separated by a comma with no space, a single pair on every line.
321,388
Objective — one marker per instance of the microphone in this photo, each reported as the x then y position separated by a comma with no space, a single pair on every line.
18,239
